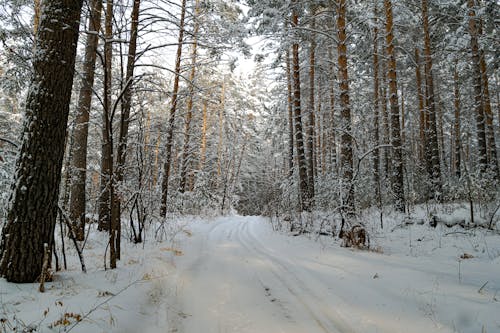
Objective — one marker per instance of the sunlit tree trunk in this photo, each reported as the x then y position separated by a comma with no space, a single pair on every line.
32,212
397,176
173,109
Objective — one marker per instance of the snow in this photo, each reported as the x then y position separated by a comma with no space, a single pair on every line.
235,274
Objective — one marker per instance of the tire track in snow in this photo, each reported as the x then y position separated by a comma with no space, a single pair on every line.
325,321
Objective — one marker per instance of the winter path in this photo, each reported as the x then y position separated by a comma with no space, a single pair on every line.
237,275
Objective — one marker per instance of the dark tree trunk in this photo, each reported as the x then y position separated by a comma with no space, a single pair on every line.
311,135
456,128
421,109
105,198
432,144
305,199
478,91
33,203
291,141
376,107
124,122
79,155
346,150
397,176
171,121
186,168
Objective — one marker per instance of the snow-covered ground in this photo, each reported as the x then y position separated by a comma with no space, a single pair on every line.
235,274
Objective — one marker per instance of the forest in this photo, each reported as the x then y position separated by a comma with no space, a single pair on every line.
249,166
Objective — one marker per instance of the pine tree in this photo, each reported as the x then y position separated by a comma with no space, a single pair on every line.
33,203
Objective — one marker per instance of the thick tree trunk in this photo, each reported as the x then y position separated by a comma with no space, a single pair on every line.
346,150
33,207
173,109
79,153
305,199
397,177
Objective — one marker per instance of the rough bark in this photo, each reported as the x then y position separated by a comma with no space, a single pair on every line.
456,128
432,144
33,207
311,154
397,176
186,171
478,91
81,130
421,108
291,141
376,105
346,150
305,199
488,115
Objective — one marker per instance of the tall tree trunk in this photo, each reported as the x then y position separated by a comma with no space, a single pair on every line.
332,131
186,171
32,213
488,113
376,106
305,199
173,109
204,127
478,89
456,129
311,158
291,141
346,150
421,108
125,121
81,130
432,133
397,177
107,129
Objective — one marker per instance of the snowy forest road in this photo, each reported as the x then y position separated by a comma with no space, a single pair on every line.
237,275
238,285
